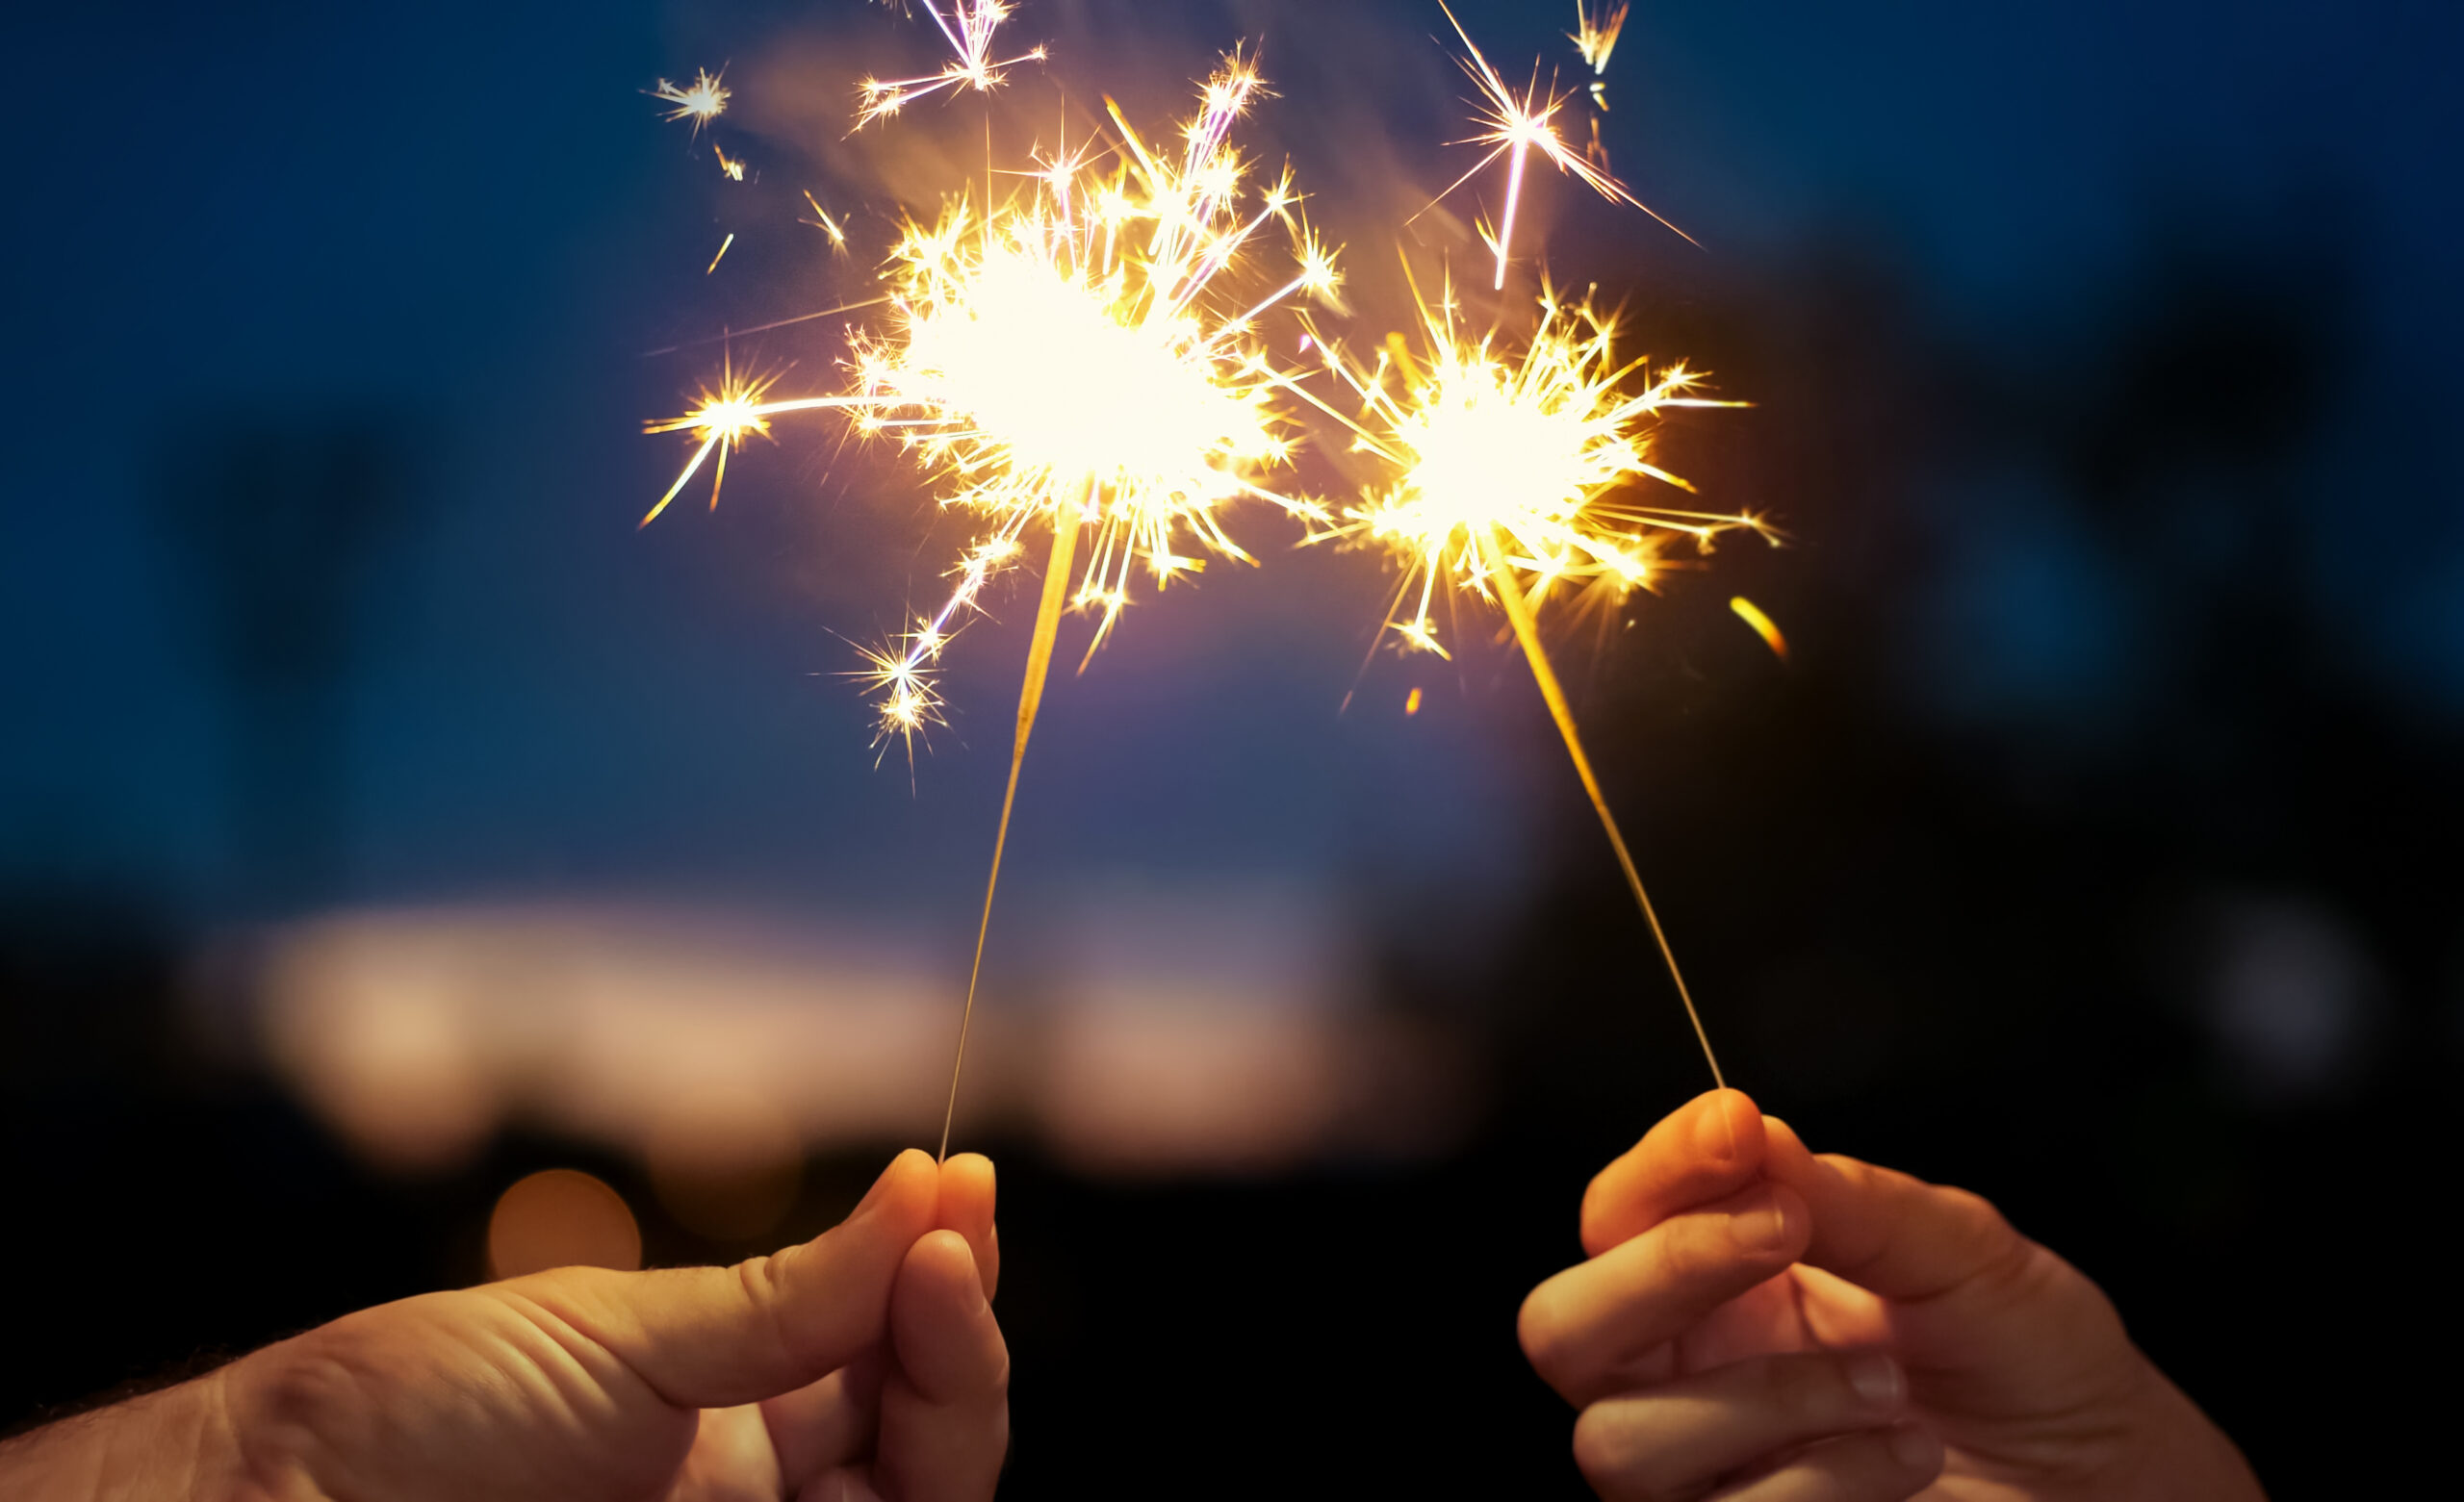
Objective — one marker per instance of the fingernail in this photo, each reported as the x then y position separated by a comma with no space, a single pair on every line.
875,1193
1763,1228
1715,1134
1877,1380
1915,1448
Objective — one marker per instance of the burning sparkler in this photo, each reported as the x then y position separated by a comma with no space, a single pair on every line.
701,101
1514,126
1070,359
968,29
1511,473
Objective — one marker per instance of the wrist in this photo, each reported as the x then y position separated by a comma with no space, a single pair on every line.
175,1446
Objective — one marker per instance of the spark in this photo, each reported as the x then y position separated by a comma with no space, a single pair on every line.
1514,125
701,101
1763,625
735,411
1595,38
722,255
821,221
1411,703
731,166
1068,359
1520,463
968,29
1511,473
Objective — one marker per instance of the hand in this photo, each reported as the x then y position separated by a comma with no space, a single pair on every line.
1759,1324
863,1364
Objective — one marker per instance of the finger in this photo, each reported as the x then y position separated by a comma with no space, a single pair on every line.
827,1423
1677,1438
1881,1466
720,1337
945,1405
1584,1325
1705,1149
966,1207
1980,1312
1893,1234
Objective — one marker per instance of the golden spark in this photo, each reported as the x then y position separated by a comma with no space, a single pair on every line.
968,29
722,255
701,101
1512,475
731,166
822,221
1763,625
1514,126
1595,37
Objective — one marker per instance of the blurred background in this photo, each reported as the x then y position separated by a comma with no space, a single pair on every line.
408,869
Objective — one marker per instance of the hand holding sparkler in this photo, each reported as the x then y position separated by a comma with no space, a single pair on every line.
865,1363
1754,1317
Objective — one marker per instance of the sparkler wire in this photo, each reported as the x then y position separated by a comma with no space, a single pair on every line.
1527,631
1056,595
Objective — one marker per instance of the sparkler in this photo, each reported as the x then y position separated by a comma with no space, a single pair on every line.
1514,125
968,29
1069,359
1513,466
701,101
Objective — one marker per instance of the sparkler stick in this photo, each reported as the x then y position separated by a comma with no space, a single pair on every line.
1072,357
1527,631
1056,590
1508,466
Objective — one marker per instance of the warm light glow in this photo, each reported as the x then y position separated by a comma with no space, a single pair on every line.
701,101
1752,615
1070,357
561,1217
1519,462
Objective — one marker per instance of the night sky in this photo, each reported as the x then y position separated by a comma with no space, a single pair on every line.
464,224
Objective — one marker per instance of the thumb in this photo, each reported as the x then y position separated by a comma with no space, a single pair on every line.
720,1337
1888,1233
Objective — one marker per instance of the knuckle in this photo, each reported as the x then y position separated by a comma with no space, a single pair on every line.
1692,1248
1600,1451
1605,1450
1541,1327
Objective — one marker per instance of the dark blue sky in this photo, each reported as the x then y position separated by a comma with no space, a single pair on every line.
467,217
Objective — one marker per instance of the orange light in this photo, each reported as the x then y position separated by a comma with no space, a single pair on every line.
1412,704
561,1217
1752,615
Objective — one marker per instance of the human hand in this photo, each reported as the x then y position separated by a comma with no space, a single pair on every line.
1758,1324
864,1364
